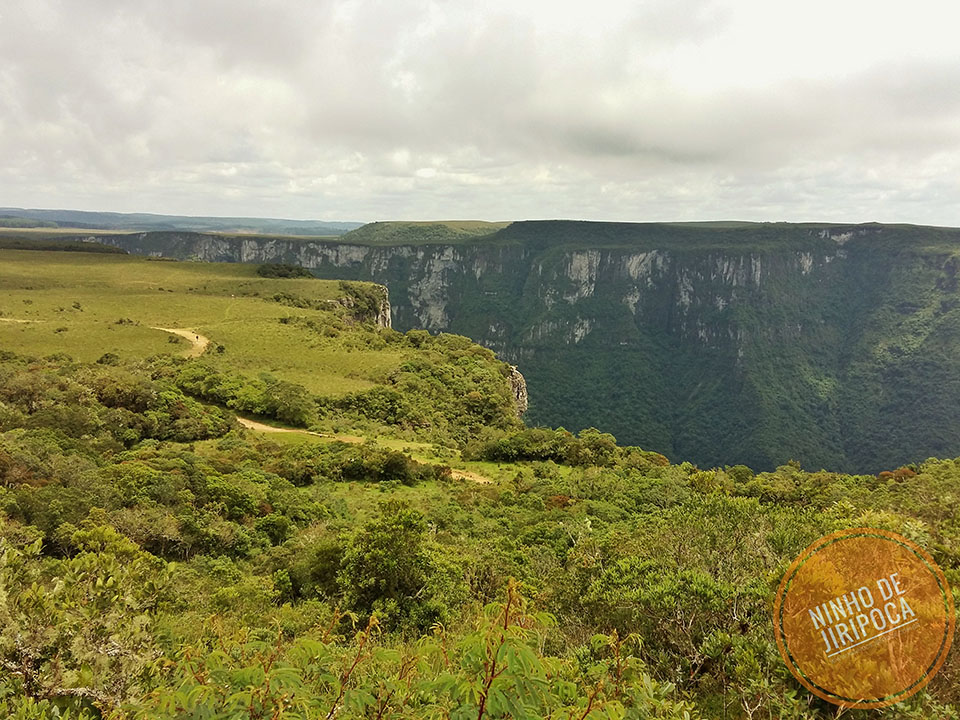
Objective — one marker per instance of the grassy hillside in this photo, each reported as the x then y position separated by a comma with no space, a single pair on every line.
422,233
86,306
315,336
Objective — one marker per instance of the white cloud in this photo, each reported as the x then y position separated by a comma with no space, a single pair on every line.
357,109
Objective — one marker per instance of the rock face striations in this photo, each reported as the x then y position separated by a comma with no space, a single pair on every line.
835,345
519,385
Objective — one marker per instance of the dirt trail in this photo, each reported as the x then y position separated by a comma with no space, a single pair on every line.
468,475
261,427
198,343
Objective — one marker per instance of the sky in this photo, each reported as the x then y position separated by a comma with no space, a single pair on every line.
356,110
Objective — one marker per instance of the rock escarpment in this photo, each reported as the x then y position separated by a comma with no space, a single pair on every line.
519,385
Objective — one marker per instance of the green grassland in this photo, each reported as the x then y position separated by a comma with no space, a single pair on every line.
422,233
39,315
277,346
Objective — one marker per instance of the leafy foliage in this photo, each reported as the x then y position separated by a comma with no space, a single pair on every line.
156,561
279,270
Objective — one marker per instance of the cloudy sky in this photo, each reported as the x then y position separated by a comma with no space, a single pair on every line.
417,109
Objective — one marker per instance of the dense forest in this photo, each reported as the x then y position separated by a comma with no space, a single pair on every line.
157,561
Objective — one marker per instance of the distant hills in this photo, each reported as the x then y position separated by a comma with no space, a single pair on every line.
423,233
32,218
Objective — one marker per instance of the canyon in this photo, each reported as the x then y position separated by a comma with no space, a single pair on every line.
835,346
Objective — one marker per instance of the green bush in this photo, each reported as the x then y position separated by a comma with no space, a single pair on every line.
278,270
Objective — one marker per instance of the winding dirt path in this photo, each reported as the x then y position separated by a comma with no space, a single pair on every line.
472,476
261,427
198,343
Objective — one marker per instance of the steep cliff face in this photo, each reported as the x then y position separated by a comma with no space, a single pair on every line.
367,303
518,384
838,346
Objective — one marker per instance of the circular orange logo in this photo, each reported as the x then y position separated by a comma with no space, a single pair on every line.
864,618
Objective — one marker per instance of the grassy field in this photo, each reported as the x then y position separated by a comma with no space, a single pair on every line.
421,233
87,305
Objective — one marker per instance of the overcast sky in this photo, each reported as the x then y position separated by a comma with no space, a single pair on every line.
833,110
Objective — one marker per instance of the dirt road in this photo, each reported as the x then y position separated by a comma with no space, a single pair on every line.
261,427
198,343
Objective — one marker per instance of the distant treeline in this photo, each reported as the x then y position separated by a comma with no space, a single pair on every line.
149,221
12,221
22,243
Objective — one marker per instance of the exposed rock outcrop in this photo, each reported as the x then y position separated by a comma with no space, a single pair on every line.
379,314
519,385
384,318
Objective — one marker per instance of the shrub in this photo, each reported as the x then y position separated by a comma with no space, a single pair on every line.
279,270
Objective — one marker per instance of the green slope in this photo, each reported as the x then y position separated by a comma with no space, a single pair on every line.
422,233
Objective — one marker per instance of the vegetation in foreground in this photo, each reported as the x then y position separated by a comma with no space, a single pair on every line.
157,561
